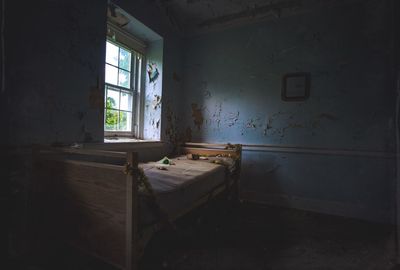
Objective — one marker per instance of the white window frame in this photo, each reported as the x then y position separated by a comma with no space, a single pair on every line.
121,38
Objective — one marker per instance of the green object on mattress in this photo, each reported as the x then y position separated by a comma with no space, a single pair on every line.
165,160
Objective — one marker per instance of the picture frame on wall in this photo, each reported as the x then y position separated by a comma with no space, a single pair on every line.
296,86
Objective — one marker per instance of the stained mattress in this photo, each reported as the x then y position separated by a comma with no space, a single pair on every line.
182,184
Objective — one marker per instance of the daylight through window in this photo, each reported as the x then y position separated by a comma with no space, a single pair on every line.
122,80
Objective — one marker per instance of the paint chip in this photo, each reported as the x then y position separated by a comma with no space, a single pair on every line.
197,115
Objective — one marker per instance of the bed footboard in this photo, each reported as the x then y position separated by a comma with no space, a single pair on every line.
93,204
92,197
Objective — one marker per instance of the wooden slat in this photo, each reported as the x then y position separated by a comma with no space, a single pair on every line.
205,145
90,164
92,208
82,151
210,152
132,214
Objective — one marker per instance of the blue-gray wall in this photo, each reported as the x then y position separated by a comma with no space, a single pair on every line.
55,67
55,53
172,72
54,60
153,93
232,93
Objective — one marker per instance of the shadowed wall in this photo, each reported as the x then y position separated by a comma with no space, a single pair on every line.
233,94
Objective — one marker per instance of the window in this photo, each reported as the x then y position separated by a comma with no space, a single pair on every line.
122,84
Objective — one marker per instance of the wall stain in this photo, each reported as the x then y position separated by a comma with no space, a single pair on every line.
327,116
188,135
296,126
80,115
270,130
274,169
205,90
87,137
96,98
176,77
171,127
251,124
217,114
197,115
316,123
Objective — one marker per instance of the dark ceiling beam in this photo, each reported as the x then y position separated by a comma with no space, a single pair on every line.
251,12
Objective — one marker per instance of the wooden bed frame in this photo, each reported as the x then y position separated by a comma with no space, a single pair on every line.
95,204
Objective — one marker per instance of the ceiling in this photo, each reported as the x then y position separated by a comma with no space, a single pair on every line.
191,16
197,14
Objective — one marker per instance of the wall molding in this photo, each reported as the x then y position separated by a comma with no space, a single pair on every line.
296,149
349,210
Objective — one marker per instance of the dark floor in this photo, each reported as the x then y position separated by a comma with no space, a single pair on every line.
254,237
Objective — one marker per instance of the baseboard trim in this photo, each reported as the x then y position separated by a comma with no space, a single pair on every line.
349,210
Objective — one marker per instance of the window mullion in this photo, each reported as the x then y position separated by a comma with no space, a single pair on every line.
133,68
119,51
119,110
134,91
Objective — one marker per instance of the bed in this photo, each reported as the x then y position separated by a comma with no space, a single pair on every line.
108,204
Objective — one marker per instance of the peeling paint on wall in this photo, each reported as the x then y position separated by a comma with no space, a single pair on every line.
153,72
345,54
197,116
155,123
171,129
251,124
233,118
156,102
216,116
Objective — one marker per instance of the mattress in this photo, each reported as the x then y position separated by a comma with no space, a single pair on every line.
180,185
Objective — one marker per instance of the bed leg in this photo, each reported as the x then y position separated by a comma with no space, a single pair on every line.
132,213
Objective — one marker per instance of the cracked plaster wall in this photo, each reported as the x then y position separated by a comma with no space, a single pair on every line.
54,68
169,109
54,85
232,92
153,92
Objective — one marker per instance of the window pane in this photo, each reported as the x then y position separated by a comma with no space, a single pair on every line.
125,123
112,54
126,101
124,59
112,99
111,120
124,78
111,74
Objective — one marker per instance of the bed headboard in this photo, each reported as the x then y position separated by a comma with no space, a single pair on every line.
207,149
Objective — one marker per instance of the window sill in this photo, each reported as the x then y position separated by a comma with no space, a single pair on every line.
121,140
127,140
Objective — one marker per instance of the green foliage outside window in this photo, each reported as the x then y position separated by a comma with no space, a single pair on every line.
112,116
